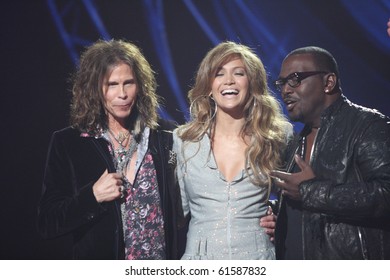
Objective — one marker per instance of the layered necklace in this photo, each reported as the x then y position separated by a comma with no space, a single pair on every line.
122,137
122,154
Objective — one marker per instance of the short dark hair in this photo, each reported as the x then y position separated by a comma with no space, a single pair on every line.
322,58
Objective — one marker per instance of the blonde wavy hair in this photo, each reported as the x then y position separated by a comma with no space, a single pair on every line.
265,122
88,112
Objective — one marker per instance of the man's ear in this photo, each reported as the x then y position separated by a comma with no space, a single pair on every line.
330,83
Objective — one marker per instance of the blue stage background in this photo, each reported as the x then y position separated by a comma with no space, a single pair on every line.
41,42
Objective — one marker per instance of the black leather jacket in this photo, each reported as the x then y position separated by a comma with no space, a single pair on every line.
346,208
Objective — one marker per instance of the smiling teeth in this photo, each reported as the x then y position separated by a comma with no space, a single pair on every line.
229,91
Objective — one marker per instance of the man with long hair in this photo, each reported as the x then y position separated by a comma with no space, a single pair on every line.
109,176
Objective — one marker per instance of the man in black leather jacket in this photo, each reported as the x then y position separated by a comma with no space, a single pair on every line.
335,191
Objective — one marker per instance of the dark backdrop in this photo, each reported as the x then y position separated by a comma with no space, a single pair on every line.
37,59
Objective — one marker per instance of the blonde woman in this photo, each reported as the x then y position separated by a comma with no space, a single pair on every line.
225,153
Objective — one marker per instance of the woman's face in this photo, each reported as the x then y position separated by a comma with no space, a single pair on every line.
120,93
230,87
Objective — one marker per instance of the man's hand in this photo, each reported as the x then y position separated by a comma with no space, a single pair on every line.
289,182
108,187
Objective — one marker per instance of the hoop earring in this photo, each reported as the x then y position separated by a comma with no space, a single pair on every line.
193,102
211,97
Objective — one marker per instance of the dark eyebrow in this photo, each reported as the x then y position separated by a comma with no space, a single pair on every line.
287,77
129,81
111,83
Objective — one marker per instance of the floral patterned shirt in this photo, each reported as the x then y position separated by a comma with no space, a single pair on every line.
142,216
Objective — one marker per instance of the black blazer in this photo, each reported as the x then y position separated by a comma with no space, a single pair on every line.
68,205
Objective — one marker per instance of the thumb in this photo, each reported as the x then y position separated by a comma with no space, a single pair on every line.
104,173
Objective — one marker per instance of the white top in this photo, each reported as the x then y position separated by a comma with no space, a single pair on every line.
225,216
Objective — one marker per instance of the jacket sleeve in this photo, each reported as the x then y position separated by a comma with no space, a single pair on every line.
65,206
365,192
180,172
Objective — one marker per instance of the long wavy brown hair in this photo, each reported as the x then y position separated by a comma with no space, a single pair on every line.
88,112
265,122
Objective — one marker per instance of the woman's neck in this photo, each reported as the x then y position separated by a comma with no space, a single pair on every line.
228,126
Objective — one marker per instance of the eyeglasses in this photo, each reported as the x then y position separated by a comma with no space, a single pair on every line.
295,79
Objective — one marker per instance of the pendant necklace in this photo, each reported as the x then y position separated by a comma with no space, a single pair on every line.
121,154
122,137
122,158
